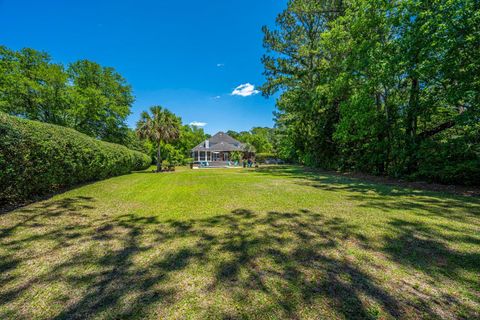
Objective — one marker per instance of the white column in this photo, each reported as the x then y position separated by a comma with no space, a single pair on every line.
198,155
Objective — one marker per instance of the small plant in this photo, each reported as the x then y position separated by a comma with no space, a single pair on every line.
167,166
236,156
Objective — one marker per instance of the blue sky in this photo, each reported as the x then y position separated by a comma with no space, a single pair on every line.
188,56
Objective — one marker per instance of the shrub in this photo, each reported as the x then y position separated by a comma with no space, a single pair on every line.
187,161
452,161
167,166
37,158
172,155
236,156
262,157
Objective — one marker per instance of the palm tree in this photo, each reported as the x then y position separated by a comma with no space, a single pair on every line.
162,126
249,149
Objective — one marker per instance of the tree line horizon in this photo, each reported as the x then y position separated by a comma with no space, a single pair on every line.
380,87
96,100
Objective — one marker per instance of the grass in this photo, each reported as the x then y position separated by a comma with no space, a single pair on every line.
271,243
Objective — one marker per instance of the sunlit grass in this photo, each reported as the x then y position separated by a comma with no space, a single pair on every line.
277,242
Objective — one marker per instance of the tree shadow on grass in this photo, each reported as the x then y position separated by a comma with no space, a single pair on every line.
384,197
276,264
104,277
419,246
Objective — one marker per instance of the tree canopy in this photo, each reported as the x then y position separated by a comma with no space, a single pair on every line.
385,87
160,127
85,96
260,138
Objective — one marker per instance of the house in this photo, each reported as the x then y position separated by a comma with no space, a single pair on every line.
217,149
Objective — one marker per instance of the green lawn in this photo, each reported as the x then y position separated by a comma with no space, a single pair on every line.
271,243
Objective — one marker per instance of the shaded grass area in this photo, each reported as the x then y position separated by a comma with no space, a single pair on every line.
276,242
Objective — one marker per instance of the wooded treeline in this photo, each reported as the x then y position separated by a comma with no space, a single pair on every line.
262,139
383,87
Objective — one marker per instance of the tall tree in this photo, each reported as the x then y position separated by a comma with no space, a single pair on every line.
102,101
190,136
261,138
32,86
159,127
85,96
296,64
384,87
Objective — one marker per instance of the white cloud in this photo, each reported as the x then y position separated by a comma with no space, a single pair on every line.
220,65
245,90
198,124
216,97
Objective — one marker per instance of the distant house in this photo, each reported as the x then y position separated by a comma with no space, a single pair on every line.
217,148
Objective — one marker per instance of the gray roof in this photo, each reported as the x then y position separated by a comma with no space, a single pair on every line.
220,142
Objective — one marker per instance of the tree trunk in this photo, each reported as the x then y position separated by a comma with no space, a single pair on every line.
444,126
411,129
412,112
380,137
159,159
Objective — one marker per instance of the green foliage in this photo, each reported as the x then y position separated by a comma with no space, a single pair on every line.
132,141
261,138
261,157
37,158
177,151
379,87
236,155
249,150
173,155
160,127
102,100
168,166
451,160
190,136
92,99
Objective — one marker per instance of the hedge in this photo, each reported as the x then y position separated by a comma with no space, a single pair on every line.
262,157
38,158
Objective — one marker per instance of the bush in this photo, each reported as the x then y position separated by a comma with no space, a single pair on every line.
187,161
172,156
236,156
262,157
453,161
38,158
167,166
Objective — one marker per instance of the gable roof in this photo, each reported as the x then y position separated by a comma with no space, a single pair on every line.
220,142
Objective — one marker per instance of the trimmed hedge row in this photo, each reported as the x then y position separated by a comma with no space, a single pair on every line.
38,158
262,157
